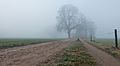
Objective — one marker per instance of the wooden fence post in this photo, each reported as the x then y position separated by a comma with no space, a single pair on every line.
116,39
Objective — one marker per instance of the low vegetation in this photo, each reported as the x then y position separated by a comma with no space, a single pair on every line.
108,45
75,55
6,43
106,42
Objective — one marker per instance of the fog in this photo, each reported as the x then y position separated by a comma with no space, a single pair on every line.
37,18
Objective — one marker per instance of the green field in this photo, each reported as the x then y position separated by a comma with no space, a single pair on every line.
107,42
6,43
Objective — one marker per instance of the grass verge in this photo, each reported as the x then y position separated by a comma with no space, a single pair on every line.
75,55
107,46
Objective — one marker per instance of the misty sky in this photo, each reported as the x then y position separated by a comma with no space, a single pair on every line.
37,18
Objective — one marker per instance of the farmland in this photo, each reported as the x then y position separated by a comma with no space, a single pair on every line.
6,43
106,42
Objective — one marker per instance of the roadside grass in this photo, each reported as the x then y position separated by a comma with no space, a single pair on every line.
75,55
108,45
7,43
106,42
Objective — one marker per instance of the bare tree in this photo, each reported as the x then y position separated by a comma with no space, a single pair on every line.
91,29
85,30
68,19
81,31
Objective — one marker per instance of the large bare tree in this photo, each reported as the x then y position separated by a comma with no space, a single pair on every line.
69,18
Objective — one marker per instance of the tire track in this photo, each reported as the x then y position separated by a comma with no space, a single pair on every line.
32,55
102,58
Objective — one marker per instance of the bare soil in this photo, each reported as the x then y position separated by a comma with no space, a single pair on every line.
102,58
32,55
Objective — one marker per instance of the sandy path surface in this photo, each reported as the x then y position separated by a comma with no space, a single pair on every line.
31,55
103,58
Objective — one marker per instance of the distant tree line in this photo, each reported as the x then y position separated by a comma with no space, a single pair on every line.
74,23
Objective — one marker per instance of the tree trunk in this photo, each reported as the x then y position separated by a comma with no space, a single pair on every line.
91,37
69,34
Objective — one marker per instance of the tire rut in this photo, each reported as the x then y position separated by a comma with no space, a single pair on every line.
102,58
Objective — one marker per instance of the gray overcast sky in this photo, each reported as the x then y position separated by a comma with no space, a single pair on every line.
37,18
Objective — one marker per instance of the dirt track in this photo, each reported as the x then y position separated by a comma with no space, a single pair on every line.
102,58
31,55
